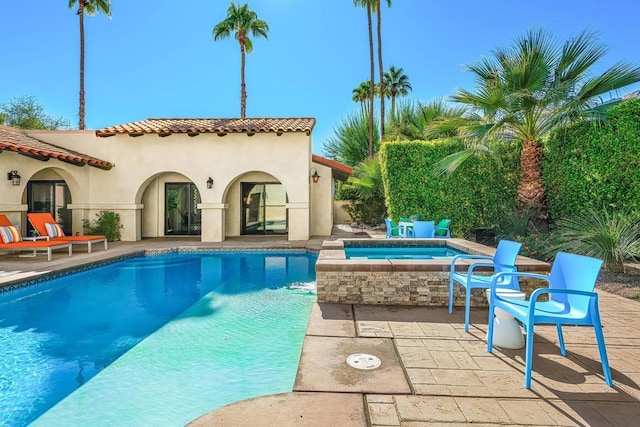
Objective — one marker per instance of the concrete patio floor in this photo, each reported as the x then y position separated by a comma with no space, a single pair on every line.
450,376
432,372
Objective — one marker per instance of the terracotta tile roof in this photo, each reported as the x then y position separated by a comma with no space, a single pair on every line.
16,140
340,171
165,127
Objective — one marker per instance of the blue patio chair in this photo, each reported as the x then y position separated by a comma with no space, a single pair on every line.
423,229
393,231
503,260
442,229
571,301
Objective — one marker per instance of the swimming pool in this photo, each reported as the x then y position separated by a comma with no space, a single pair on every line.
401,252
156,340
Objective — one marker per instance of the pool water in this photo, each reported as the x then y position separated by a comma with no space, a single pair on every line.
400,252
156,340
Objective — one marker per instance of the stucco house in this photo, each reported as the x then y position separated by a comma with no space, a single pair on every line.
209,177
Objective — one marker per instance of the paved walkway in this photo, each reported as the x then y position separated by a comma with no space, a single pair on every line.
432,372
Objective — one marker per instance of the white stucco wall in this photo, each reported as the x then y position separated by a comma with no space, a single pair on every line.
134,188
321,214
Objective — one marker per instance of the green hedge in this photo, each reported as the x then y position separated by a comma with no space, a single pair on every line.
478,194
595,165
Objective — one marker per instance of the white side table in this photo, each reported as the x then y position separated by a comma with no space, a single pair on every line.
404,228
506,330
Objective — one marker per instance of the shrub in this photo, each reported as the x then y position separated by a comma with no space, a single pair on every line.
519,223
590,165
107,224
479,193
612,236
540,246
364,189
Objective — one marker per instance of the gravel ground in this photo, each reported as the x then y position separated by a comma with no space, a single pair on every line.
626,285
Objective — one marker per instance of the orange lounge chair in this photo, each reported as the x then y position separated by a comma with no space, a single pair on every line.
4,221
23,245
44,224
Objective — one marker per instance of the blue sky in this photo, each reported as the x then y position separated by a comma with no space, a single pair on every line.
158,59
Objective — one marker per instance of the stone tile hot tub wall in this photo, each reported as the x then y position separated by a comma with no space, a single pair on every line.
401,281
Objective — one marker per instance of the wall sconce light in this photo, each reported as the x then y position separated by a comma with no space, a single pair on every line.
210,183
315,177
14,178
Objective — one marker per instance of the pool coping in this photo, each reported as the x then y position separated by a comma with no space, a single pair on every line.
39,277
332,256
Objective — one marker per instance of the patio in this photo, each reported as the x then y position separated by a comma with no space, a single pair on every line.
432,372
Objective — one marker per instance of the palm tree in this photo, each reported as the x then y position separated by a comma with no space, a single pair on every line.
90,7
362,94
349,142
367,4
242,21
377,7
413,120
366,191
526,91
396,84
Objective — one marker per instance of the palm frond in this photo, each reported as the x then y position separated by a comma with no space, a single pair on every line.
578,55
618,76
349,143
449,164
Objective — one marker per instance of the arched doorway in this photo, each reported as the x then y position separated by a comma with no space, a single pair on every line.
48,192
170,206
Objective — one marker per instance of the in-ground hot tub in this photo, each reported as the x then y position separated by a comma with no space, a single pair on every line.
417,251
401,281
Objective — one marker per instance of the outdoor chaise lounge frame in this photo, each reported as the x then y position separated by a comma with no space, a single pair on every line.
42,245
35,246
38,220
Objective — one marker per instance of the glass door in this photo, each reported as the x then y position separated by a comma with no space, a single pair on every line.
263,208
182,217
52,197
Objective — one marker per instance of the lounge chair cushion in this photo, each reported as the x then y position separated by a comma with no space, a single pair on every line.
441,228
10,234
54,230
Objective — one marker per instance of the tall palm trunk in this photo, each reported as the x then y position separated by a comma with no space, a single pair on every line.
530,188
81,103
243,87
393,105
372,90
364,107
382,93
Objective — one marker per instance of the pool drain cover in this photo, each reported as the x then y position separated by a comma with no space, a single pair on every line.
363,361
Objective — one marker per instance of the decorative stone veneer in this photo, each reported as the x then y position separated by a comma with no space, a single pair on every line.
402,282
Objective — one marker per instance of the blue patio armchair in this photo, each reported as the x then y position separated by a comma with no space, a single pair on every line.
423,229
393,231
571,301
442,229
502,261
